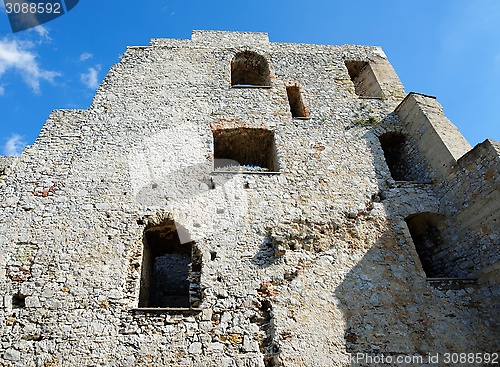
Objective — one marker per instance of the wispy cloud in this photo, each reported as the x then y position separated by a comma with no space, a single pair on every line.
42,31
86,56
90,79
2,90
14,145
18,56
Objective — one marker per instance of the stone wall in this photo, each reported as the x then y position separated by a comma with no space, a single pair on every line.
297,267
467,181
433,133
5,166
475,187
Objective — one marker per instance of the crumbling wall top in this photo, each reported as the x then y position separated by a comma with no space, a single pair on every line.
216,38
229,38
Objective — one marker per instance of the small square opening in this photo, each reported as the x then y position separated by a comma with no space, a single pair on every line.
403,160
18,300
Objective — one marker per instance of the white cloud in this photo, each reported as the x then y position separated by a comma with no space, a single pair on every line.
42,31
14,145
17,55
86,56
90,78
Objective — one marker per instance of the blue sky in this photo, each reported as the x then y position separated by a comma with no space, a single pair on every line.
446,48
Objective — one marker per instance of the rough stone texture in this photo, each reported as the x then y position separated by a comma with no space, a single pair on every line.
423,117
298,268
5,166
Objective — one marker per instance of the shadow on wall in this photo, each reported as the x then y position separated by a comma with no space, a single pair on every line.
389,309
366,297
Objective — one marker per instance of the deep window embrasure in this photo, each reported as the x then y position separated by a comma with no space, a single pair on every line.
247,148
170,268
426,233
250,69
403,159
363,78
296,102
393,145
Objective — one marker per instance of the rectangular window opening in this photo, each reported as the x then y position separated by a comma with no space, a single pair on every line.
296,102
170,270
245,150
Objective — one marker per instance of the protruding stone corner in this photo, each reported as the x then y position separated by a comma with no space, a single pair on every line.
377,50
385,76
489,149
411,97
7,164
229,37
62,122
436,137
491,145
59,114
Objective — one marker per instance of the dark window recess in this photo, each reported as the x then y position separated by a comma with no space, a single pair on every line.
425,230
170,269
393,145
296,102
403,159
250,69
18,300
252,149
363,78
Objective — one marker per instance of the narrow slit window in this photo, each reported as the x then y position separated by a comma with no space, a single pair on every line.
251,150
363,78
170,269
249,69
296,102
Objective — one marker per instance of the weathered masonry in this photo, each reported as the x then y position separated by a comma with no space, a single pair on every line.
230,201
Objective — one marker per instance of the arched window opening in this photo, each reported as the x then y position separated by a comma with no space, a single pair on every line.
247,148
170,268
296,102
363,78
250,69
425,230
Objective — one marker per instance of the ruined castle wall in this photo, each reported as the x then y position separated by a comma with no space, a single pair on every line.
475,216
301,267
467,184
